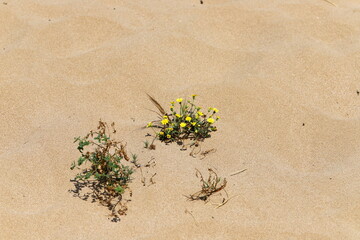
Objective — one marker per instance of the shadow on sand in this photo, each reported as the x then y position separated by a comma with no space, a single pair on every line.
92,190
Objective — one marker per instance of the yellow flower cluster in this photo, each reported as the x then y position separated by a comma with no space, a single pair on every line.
189,120
210,120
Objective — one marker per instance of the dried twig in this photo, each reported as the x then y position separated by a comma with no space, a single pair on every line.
205,153
194,146
330,2
187,211
212,185
235,173
152,180
224,201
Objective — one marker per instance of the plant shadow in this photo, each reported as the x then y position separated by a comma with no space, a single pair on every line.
94,191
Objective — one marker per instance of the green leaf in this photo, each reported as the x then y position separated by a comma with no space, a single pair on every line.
79,176
82,144
105,138
72,166
118,159
119,189
81,160
88,175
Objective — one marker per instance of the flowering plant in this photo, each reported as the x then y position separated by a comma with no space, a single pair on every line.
185,120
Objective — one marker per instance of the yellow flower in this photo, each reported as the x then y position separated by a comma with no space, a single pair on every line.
210,108
168,136
215,110
165,116
217,118
193,123
164,121
200,113
182,124
149,124
170,129
188,119
172,103
161,133
210,120
178,115
179,100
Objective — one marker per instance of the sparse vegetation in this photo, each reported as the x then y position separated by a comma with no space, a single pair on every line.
135,160
106,174
108,168
209,186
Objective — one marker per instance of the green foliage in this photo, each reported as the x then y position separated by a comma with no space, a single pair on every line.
104,157
185,120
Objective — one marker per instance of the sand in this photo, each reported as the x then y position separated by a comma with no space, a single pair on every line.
284,75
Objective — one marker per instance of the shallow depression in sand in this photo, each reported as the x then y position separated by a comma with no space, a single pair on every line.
78,35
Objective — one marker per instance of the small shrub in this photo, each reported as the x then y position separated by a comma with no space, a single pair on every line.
184,121
105,157
208,187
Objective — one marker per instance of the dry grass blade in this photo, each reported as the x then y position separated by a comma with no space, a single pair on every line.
225,201
188,212
330,2
210,186
207,152
157,105
238,172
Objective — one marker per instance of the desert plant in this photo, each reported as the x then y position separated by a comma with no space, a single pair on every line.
184,121
208,187
104,156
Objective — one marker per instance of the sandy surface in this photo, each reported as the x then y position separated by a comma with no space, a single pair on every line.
284,74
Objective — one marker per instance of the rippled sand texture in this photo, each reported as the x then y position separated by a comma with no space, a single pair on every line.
284,74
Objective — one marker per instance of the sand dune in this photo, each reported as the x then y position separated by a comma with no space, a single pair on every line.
284,74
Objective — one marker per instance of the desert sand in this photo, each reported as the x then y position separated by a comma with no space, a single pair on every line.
284,75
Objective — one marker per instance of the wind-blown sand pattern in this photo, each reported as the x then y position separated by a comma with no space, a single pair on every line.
284,74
